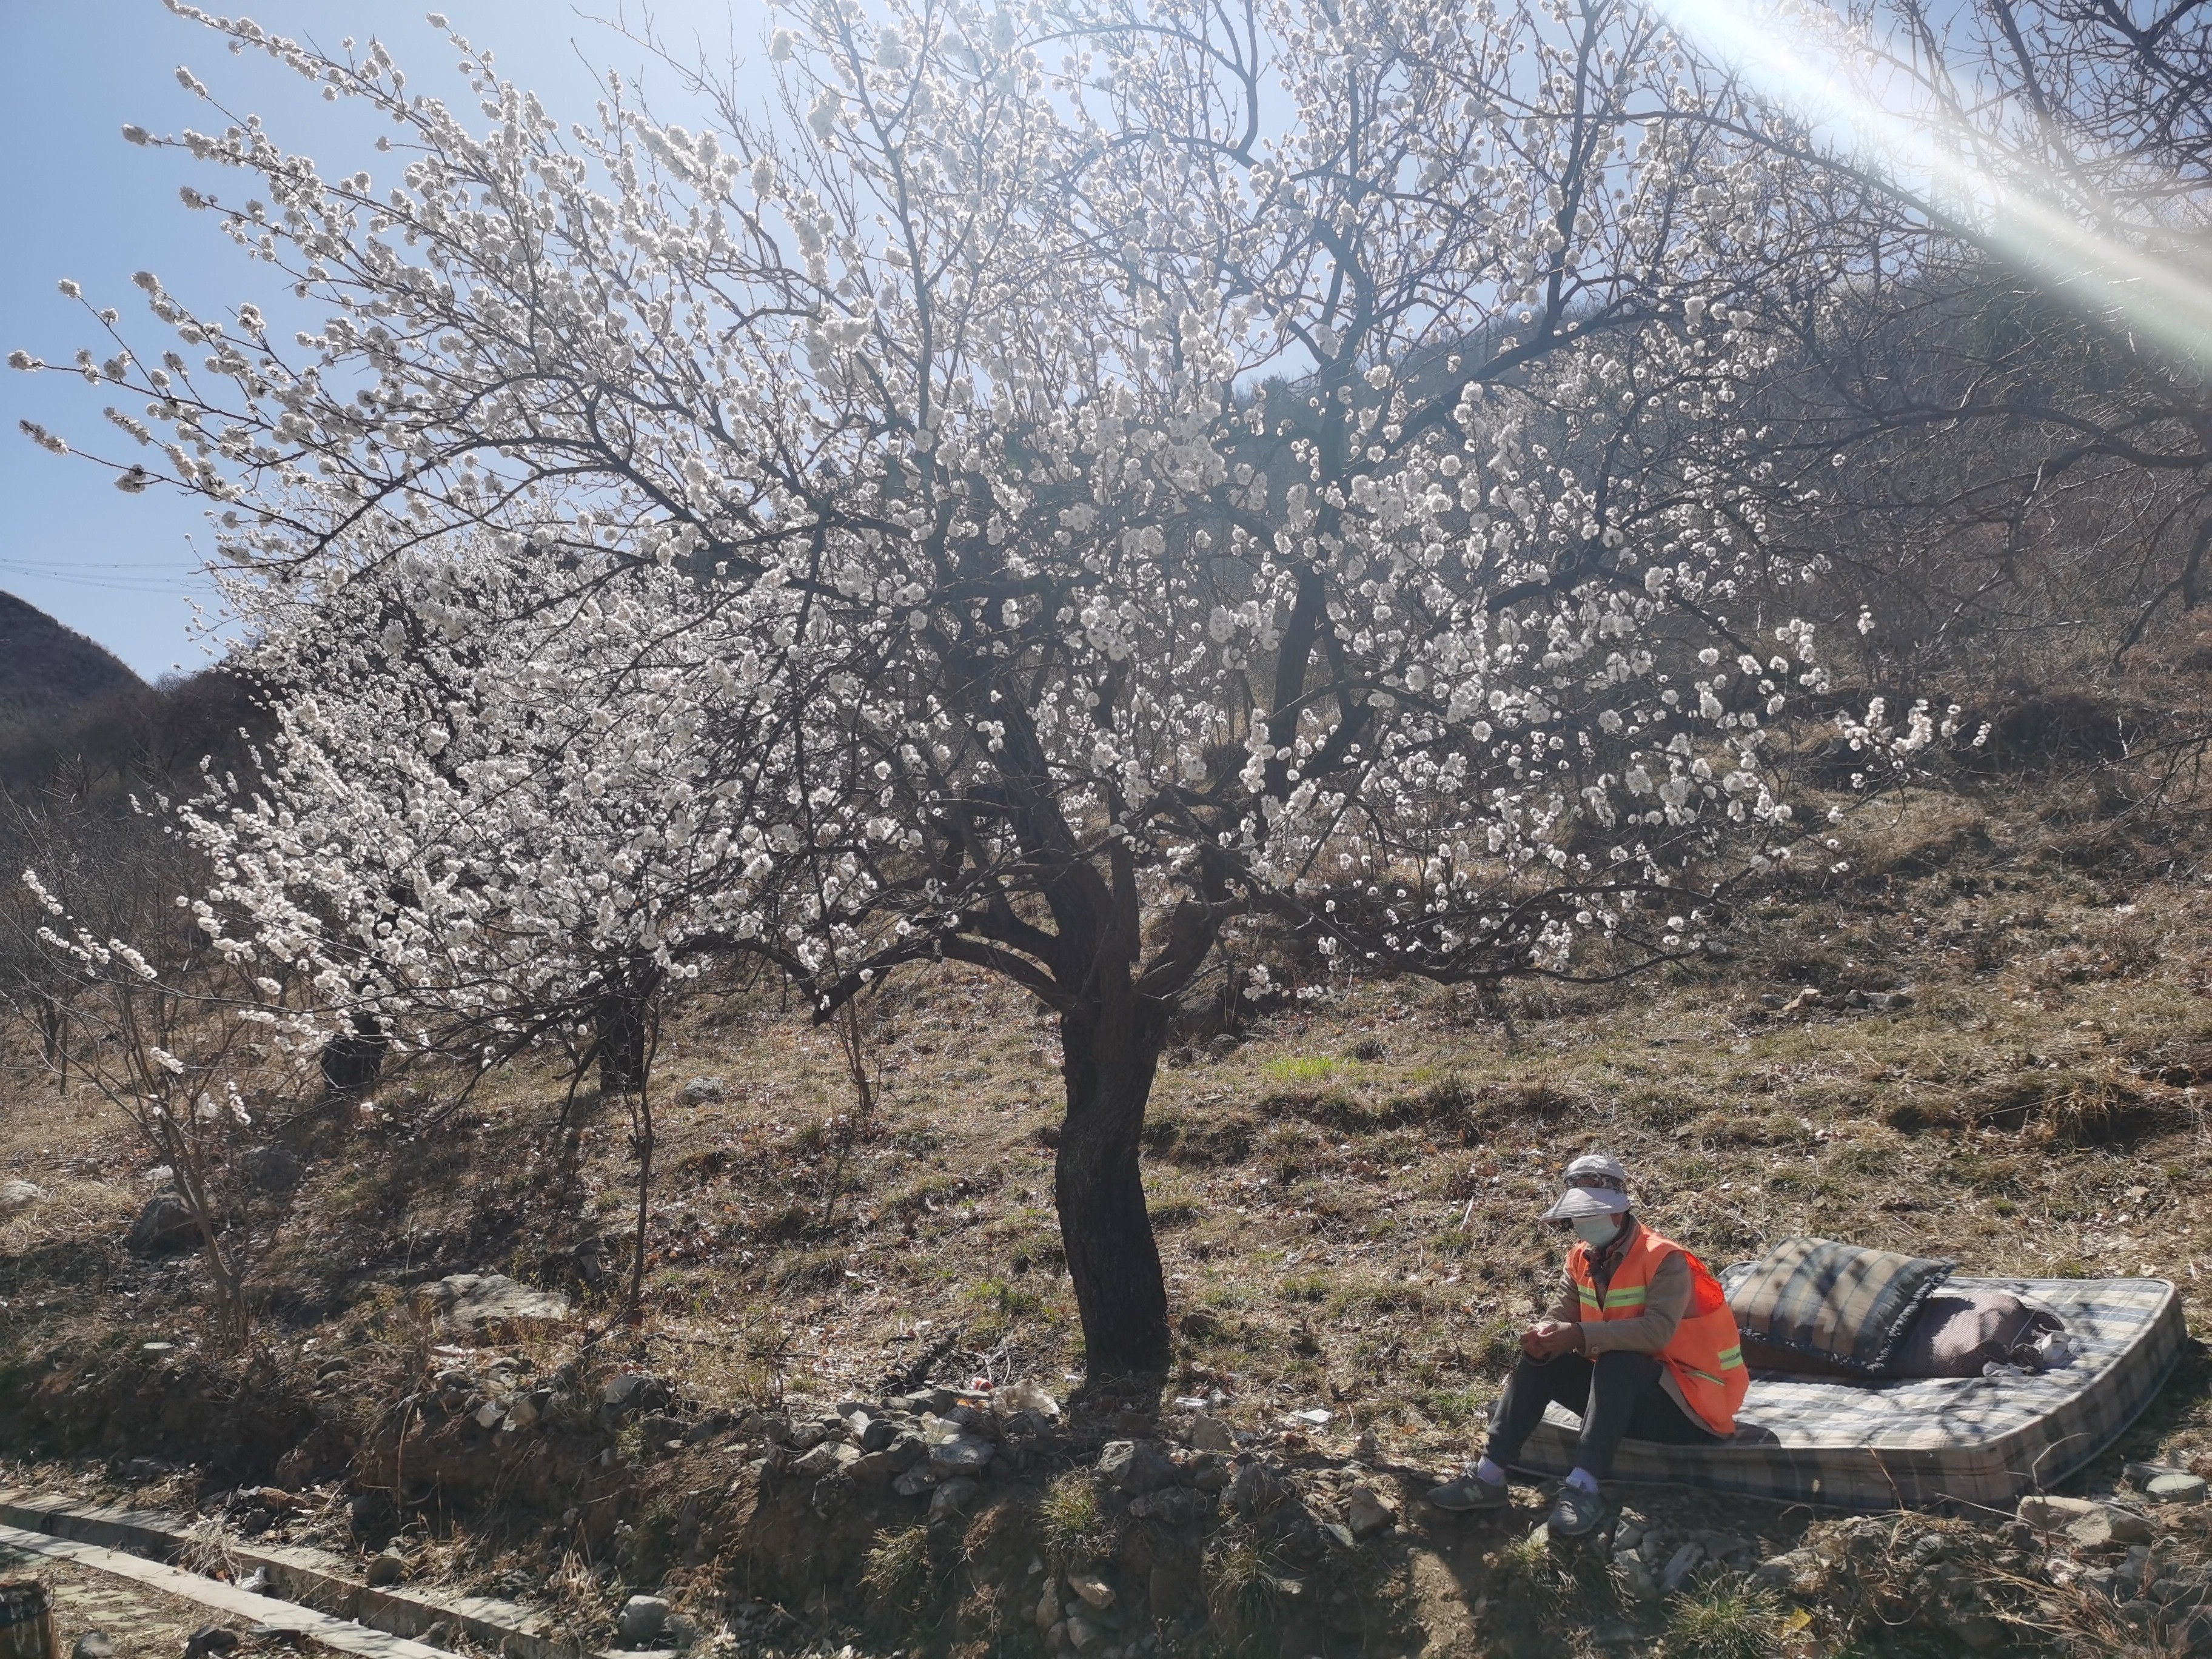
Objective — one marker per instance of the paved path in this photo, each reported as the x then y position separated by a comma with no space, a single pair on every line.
149,1609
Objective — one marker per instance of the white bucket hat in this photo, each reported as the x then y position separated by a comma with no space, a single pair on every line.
1596,1185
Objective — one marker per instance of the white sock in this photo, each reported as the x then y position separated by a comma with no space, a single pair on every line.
1488,1471
1583,1479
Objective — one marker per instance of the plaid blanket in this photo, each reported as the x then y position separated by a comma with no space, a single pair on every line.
1835,1302
1886,1445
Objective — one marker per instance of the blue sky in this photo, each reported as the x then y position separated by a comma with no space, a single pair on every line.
80,201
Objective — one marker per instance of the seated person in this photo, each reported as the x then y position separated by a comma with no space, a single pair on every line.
1641,1344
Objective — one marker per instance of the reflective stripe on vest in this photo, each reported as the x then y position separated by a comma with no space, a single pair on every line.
1705,1353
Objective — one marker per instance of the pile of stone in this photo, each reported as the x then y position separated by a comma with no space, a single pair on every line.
1981,1589
1082,1612
2124,1553
938,1443
1654,1560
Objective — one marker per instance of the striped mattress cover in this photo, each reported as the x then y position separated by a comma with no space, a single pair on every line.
1974,1440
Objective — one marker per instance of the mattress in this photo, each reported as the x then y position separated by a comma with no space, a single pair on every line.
1979,1440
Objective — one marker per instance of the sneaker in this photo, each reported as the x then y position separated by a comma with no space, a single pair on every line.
1574,1512
1471,1491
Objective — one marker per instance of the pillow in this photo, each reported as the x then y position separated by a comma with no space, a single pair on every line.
1959,1332
1831,1302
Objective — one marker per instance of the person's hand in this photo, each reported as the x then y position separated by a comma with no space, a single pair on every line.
1547,1339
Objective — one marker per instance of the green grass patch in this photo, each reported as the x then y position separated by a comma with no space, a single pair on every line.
1301,1071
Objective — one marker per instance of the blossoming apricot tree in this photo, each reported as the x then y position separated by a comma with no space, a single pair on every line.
1092,475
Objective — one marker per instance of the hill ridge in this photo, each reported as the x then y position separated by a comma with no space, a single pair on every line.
48,669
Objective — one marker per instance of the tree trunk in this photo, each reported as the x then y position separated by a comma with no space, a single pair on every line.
1110,1051
620,1033
353,1060
642,1142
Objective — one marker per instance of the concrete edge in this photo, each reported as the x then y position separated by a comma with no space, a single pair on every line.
305,1577
339,1635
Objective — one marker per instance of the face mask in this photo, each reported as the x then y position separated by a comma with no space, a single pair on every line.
1596,1230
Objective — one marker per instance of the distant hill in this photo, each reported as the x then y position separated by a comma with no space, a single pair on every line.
48,670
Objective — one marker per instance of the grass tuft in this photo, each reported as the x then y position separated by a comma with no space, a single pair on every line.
1724,1621
1067,1514
896,1569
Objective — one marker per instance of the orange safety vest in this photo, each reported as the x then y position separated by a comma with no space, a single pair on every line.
1705,1354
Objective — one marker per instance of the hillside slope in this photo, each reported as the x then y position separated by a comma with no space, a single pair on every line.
46,669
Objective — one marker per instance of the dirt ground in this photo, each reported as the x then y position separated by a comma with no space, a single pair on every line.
1345,1193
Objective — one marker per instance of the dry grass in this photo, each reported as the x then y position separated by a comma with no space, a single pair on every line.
1345,1201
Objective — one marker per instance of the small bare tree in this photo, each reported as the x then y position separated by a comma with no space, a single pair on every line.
179,1043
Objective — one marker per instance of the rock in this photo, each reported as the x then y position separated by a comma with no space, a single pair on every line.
1639,1580
1679,1565
210,1638
1048,1607
164,1224
2108,1524
1173,1506
1082,1635
1797,1572
1732,1551
922,1478
699,1091
92,1644
1978,1631
1614,1633
476,1299
1093,1591
274,1169
872,1433
830,1457
951,1497
2052,1514
964,1454
388,1566
641,1618
1208,1433
1253,1490
1136,1466
713,1424
16,1196
2176,1488
1368,1513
